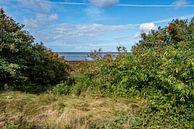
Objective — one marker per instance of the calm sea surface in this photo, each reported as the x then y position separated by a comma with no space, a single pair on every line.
82,56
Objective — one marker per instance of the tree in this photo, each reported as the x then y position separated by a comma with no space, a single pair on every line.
22,61
178,31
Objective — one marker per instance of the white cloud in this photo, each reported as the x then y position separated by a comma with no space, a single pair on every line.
103,3
39,5
96,14
37,13
85,37
181,3
86,30
30,24
53,17
40,20
69,34
147,27
42,17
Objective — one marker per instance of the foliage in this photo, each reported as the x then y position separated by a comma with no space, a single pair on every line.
62,89
7,71
165,66
178,31
24,62
160,69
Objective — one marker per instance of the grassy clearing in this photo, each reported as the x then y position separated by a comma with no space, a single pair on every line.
22,111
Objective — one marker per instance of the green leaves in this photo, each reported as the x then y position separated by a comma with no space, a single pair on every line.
160,69
162,59
24,61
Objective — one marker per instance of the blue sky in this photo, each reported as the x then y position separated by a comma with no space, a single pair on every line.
86,25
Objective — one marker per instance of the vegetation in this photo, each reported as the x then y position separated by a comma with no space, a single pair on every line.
165,65
24,64
30,111
156,79
160,69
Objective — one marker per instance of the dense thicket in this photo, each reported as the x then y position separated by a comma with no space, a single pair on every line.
160,69
24,62
163,59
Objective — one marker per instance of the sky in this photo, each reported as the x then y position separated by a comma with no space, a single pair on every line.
87,25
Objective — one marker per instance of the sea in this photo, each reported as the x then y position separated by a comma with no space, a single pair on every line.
82,56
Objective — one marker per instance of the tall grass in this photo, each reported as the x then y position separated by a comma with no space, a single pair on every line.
25,111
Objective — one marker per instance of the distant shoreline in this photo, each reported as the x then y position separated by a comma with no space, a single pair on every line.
82,56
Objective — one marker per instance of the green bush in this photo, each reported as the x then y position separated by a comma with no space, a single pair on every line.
159,69
62,89
166,64
24,63
8,71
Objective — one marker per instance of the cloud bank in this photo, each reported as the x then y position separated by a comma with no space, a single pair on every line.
64,31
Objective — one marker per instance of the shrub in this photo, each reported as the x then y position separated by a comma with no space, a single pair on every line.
161,60
62,89
159,69
24,62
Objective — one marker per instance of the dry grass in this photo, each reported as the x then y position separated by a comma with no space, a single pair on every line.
20,110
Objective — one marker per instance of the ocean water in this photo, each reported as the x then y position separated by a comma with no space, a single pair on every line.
82,56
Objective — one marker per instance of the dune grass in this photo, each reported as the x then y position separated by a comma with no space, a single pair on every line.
27,111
